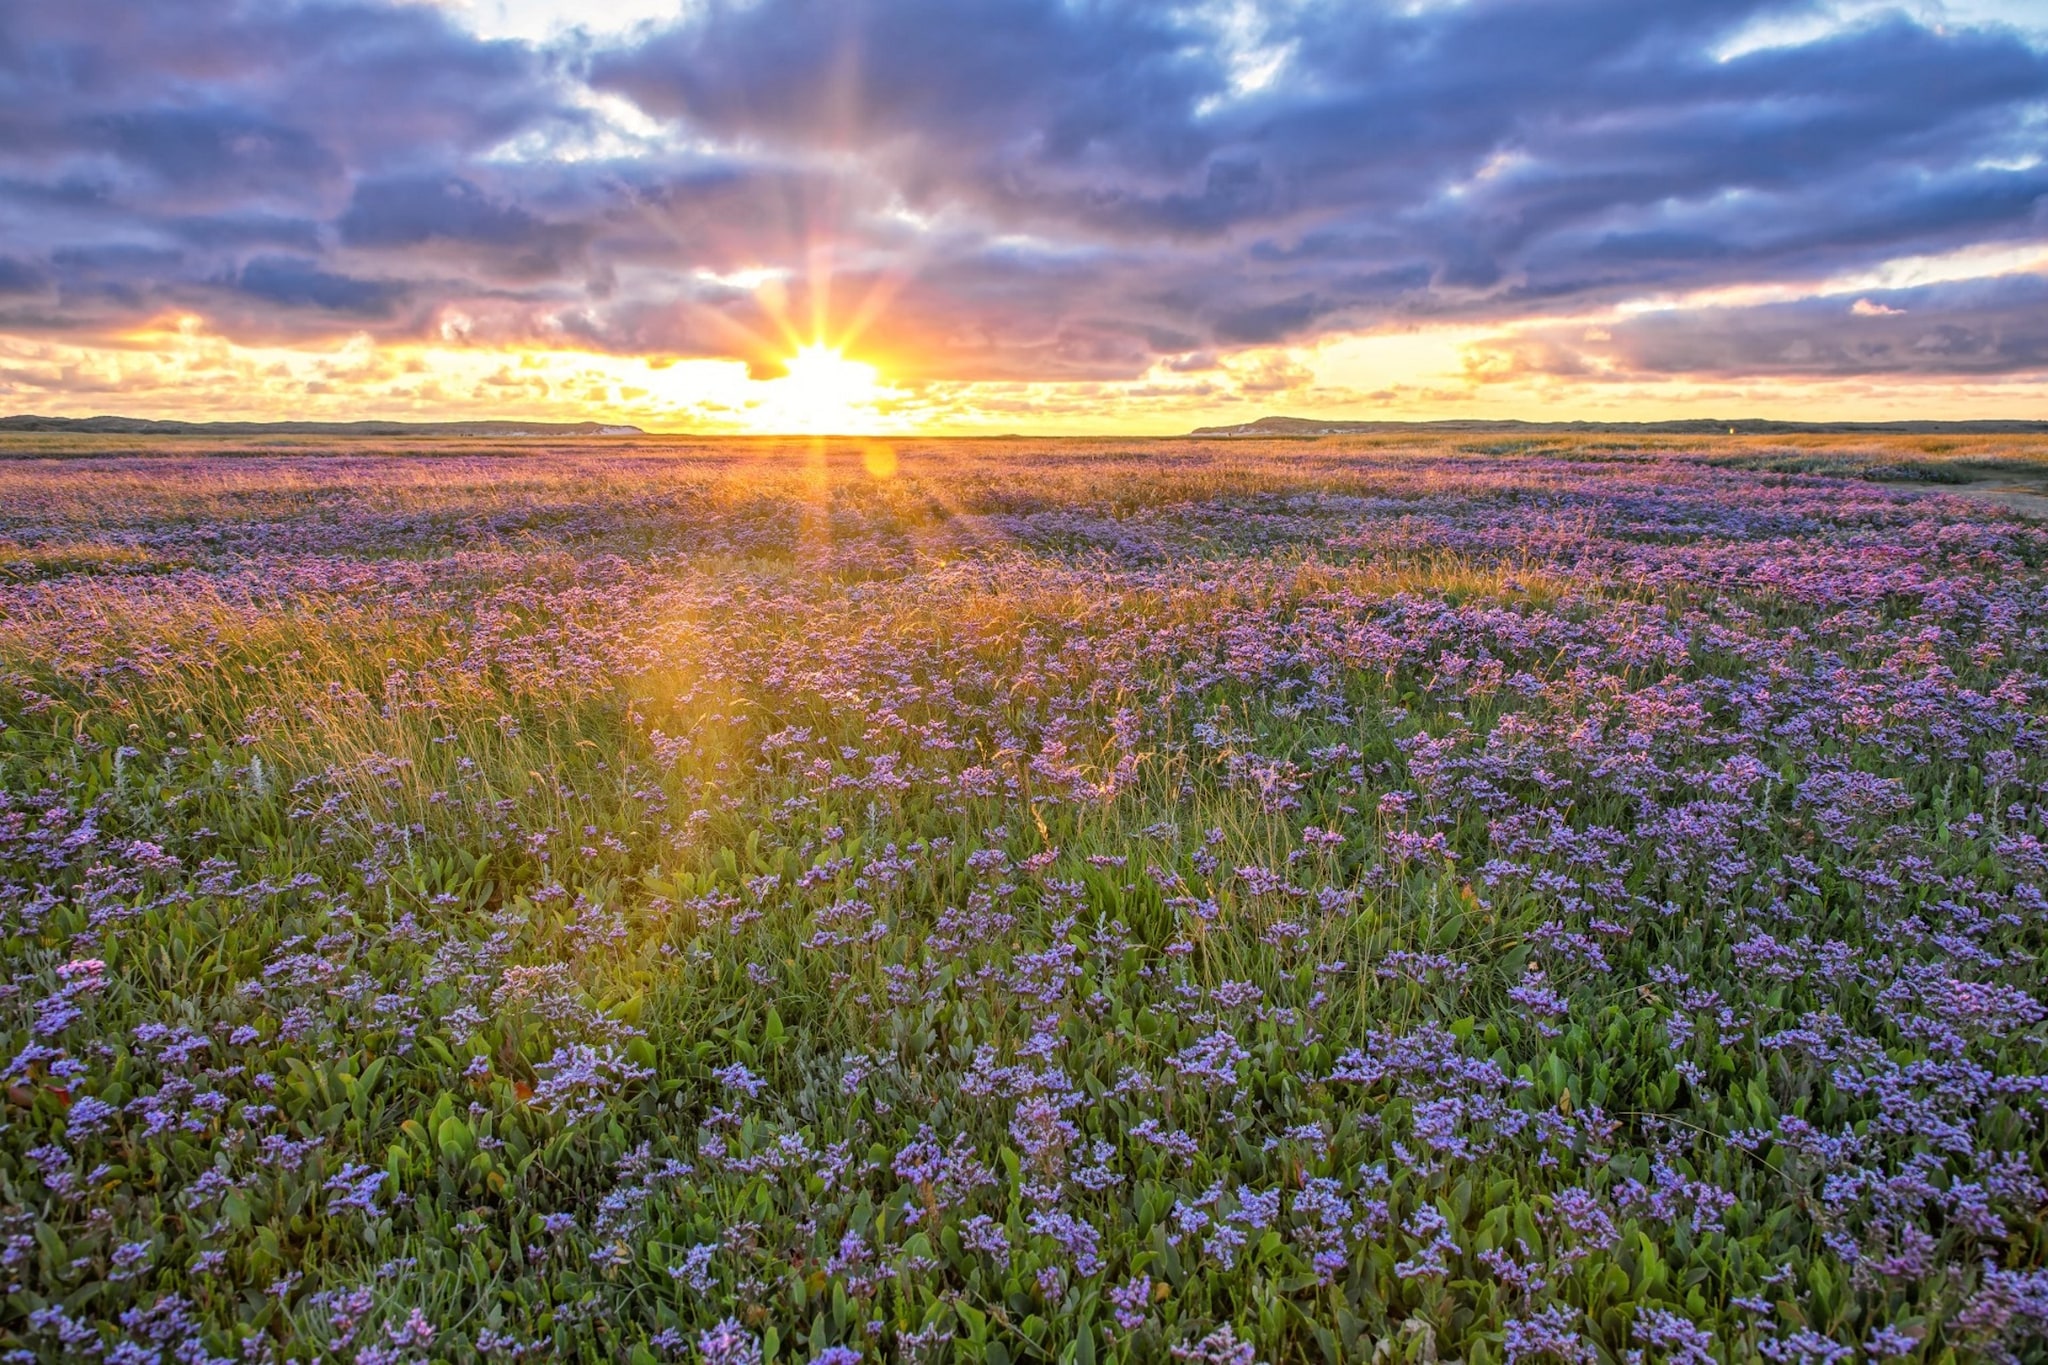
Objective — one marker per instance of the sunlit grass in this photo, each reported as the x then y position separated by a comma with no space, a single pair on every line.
413,782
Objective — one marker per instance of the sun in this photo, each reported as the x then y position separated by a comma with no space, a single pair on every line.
822,393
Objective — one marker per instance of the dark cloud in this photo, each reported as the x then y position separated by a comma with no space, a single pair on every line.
223,148
293,283
409,210
19,277
114,258
450,219
1273,321
231,231
1013,188
1964,329
959,87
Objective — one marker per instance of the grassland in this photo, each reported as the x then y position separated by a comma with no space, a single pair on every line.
1349,900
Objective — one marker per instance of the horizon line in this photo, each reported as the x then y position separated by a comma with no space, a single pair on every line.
1269,426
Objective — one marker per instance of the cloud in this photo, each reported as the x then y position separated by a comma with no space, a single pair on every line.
944,95
1973,328
222,149
293,283
19,277
409,210
1019,189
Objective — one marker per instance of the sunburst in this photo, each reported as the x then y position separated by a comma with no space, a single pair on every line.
822,392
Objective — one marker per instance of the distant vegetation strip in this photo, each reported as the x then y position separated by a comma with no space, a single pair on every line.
144,426
1747,426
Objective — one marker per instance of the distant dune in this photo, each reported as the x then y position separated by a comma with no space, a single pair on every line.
143,426
1703,426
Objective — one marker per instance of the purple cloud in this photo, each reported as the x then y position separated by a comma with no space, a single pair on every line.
1972,328
1016,189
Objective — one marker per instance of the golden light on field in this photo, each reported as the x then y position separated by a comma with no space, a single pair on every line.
879,460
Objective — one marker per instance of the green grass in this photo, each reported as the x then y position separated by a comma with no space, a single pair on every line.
926,824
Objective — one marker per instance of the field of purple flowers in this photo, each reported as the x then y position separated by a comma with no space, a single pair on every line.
1021,902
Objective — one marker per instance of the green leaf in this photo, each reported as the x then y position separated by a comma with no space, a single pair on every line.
454,1136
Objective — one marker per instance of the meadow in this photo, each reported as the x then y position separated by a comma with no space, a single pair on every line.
1379,899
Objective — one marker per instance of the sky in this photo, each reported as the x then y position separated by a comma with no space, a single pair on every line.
1054,216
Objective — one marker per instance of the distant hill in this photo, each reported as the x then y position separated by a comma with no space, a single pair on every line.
142,426
1691,426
